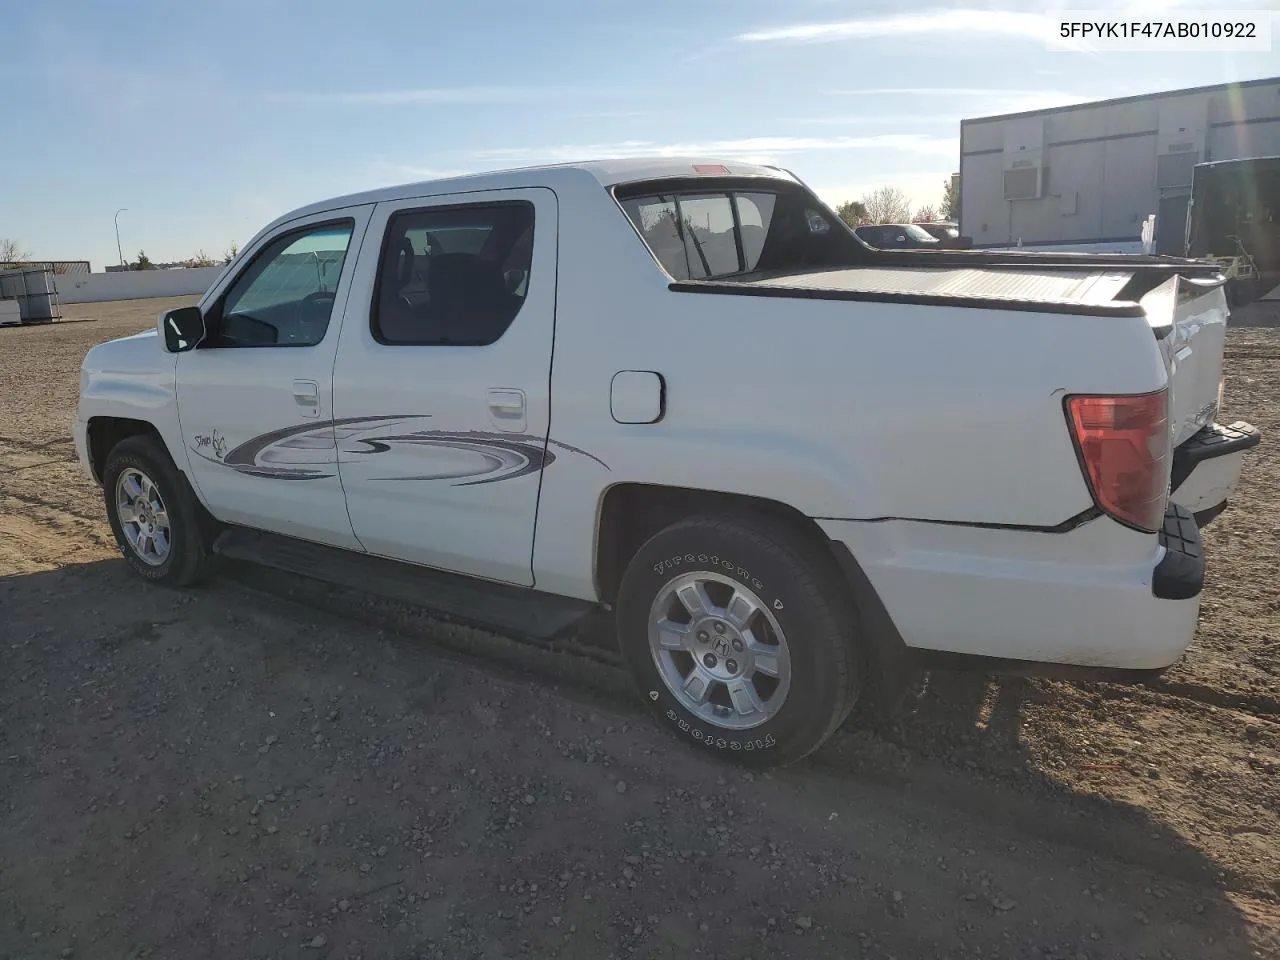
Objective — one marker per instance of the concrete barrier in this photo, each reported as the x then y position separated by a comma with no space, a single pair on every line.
134,284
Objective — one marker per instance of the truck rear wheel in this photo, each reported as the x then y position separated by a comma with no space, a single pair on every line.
741,638
153,514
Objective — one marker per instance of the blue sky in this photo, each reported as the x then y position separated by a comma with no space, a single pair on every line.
206,119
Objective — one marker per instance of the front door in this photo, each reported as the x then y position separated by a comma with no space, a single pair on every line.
255,397
441,385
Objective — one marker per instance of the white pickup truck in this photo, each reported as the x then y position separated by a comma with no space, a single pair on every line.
682,395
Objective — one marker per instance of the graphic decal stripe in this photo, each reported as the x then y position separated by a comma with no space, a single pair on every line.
312,451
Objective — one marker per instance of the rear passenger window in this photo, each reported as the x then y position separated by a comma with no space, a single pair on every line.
453,276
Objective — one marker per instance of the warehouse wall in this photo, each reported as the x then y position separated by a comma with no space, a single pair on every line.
134,284
1101,160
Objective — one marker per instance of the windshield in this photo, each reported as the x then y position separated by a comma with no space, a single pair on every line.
708,231
918,233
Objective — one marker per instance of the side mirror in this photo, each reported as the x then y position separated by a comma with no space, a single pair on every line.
181,329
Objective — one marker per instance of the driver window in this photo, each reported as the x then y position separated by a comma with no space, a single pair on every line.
285,297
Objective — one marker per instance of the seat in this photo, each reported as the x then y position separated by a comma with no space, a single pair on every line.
468,299
398,320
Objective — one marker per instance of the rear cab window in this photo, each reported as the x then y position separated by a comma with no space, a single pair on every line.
709,229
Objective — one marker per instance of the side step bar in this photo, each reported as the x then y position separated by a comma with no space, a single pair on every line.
517,611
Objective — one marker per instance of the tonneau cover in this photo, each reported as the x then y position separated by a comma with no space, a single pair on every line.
1081,286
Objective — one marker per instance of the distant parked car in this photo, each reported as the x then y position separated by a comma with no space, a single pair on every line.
942,230
948,234
902,236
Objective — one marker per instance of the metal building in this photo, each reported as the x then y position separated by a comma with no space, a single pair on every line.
1087,176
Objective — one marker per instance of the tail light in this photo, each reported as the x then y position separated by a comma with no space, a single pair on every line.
1123,443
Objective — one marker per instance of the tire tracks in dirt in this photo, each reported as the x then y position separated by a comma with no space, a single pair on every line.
29,500
29,445
1258,706
1249,355
38,535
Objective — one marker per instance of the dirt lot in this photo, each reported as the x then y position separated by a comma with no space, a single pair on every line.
253,770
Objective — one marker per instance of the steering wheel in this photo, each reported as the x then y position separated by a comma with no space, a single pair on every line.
319,295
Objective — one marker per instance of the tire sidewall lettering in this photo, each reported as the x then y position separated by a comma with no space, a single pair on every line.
746,741
743,574
713,740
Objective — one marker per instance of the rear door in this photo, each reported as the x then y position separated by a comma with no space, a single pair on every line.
442,380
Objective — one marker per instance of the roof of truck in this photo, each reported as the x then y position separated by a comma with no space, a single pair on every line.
606,173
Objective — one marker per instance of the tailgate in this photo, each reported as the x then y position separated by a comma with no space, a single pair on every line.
1190,318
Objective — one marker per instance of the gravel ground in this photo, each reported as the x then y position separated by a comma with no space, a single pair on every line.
265,768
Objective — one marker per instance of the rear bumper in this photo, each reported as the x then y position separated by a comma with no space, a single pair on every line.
1101,596
1207,467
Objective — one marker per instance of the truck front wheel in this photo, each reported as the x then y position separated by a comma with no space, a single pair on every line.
741,637
153,514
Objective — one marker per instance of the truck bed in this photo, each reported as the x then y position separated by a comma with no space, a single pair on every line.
1051,283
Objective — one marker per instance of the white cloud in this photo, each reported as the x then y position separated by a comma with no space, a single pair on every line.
421,96
922,92
608,115
760,149
389,172
1005,23
879,119
969,101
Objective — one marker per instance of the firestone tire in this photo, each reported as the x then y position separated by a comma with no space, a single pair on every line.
773,616
145,494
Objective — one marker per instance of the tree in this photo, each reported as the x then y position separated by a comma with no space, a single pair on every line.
142,263
925,214
951,198
887,204
11,253
230,253
852,212
665,220
201,259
